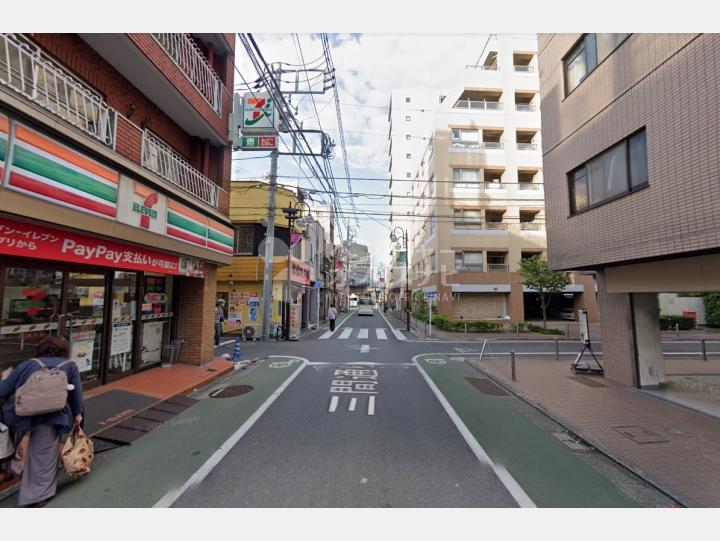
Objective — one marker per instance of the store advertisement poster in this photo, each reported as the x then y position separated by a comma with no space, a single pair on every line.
81,349
121,338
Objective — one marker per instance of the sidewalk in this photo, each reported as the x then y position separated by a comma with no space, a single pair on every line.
676,449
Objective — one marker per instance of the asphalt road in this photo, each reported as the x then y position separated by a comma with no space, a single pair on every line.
374,421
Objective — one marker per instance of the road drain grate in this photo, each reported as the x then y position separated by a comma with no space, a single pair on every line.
639,434
229,392
486,386
587,381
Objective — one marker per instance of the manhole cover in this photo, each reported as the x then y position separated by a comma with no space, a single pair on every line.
486,386
587,381
229,392
638,434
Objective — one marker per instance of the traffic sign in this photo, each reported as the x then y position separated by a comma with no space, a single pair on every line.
258,142
430,296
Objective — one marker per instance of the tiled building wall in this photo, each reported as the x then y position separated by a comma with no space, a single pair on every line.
667,83
196,317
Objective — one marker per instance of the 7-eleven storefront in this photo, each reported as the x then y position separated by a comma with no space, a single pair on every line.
119,267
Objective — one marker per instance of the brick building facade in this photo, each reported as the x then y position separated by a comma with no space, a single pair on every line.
114,195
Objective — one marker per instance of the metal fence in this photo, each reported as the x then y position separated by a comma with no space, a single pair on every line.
187,56
159,158
25,70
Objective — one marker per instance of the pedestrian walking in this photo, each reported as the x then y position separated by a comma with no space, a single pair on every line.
37,437
332,315
219,318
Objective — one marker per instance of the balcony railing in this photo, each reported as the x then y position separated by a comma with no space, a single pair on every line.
468,267
25,70
479,105
489,185
529,186
498,267
474,146
496,226
187,56
483,68
524,69
531,226
525,107
527,146
159,158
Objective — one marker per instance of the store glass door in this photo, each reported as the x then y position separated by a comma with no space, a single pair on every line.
30,310
124,326
82,320
156,317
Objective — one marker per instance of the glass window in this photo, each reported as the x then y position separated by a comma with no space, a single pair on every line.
637,151
575,67
30,306
243,240
467,219
469,261
156,314
86,304
607,43
124,309
466,175
608,174
579,198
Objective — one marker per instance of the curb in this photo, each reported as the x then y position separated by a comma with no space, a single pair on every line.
618,459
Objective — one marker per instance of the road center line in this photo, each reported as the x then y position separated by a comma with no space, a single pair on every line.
174,494
371,405
333,404
353,402
512,486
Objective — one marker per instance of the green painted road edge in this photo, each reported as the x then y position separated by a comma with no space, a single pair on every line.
156,469
549,472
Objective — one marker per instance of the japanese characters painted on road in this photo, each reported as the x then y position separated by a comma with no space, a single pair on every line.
353,380
584,327
32,240
259,115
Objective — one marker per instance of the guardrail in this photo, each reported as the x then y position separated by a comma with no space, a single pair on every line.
159,158
25,70
187,56
479,105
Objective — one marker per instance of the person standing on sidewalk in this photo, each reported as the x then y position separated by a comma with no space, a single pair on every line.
219,318
332,315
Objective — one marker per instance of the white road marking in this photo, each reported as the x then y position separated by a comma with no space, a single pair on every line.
512,486
353,402
345,334
398,334
364,348
380,333
362,334
333,404
362,363
371,405
174,494
327,335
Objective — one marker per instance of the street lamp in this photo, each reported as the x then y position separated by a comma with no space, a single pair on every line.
293,213
395,238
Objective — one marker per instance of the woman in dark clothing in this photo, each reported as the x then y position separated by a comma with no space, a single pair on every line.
39,477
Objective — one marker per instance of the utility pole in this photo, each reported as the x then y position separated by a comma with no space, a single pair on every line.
269,249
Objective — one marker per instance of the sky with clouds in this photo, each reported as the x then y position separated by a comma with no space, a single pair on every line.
368,67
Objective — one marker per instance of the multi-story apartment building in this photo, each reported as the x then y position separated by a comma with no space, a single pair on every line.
477,203
631,170
114,180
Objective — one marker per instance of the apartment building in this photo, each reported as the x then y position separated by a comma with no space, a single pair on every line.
631,172
478,200
114,180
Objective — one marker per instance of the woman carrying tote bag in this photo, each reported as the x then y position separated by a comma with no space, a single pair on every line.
38,437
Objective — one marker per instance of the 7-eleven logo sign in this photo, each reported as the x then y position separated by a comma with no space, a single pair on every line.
258,113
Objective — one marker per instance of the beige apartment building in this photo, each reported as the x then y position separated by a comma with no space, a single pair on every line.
631,178
476,204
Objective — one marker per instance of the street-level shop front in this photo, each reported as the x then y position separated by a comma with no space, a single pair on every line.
118,264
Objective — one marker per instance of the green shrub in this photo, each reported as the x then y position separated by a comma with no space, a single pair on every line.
539,329
712,309
518,327
442,322
667,323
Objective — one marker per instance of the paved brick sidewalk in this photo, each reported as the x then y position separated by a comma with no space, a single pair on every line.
682,449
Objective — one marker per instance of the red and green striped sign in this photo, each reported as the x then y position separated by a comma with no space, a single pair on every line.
220,237
190,226
49,170
3,143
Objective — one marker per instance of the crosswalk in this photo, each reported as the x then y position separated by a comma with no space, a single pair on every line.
359,334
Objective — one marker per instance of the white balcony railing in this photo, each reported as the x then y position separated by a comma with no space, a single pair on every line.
468,267
159,158
26,71
498,267
532,226
526,146
529,186
479,105
494,67
525,107
467,146
496,226
187,56
524,69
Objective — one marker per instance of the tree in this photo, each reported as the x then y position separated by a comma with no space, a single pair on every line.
537,275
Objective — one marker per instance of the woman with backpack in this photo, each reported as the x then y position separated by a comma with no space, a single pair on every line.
38,436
